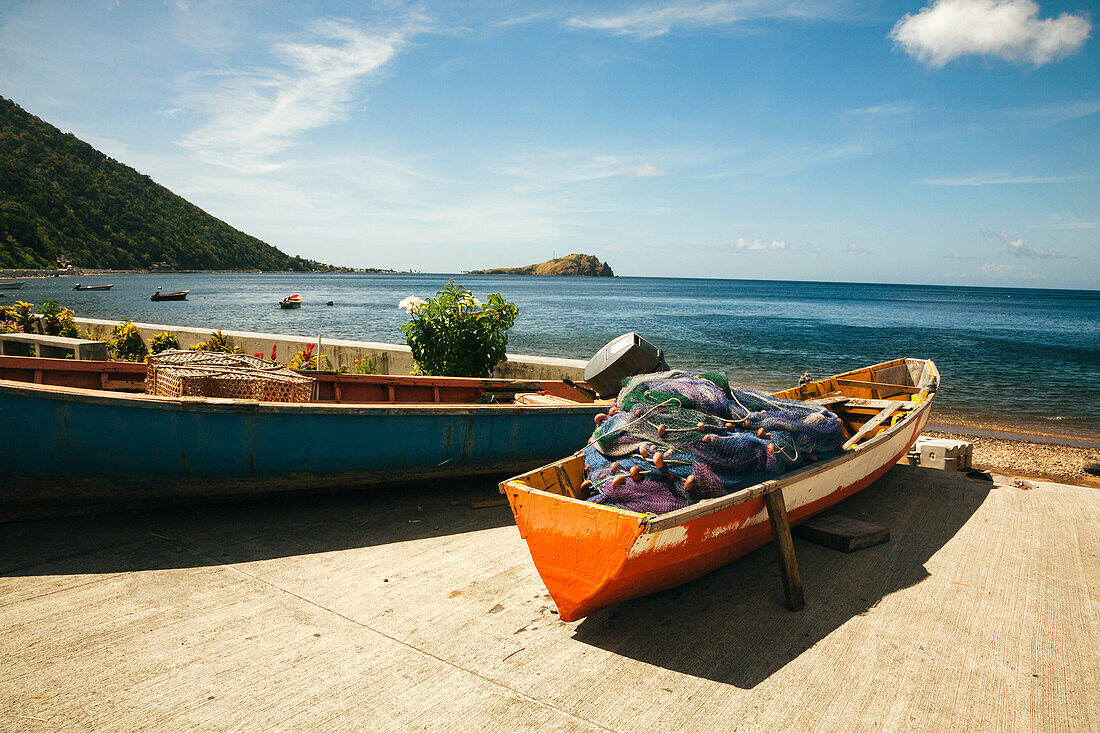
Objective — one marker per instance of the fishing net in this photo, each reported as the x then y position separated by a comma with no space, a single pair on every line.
673,439
218,374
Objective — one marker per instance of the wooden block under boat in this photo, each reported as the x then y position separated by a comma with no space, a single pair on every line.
842,533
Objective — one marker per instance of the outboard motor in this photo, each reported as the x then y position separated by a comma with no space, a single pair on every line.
624,357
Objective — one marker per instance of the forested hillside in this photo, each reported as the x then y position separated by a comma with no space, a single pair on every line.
60,196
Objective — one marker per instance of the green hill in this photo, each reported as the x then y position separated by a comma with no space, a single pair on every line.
579,265
60,196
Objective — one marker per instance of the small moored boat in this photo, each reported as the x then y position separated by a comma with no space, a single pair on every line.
291,301
11,284
81,434
78,286
591,556
179,295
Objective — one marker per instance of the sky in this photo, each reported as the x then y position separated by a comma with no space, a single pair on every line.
932,141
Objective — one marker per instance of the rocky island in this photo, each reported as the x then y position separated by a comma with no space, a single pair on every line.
577,265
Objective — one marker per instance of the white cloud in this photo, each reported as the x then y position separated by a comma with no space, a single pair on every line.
1018,248
658,19
554,168
855,249
254,115
995,268
995,179
1060,112
646,170
1004,29
762,245
1068,223
904,107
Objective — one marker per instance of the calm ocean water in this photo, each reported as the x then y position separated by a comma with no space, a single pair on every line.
1011,359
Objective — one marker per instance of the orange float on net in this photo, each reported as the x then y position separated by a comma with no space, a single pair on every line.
600,418
636,473
659,460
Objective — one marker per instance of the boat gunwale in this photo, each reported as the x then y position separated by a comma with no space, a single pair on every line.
228,404
651,523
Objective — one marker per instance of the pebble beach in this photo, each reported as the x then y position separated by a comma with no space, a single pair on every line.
1046,461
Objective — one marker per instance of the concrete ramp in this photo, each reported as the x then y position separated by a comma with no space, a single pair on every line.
373,611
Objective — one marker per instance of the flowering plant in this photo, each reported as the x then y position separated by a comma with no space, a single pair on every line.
454,334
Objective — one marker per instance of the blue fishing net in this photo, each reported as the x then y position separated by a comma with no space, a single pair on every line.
673,439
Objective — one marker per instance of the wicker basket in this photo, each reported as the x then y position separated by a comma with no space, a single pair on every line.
217,374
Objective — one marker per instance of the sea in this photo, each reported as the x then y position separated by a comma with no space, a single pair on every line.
1012,359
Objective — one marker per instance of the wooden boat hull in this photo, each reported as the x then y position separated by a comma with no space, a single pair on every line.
592,556
93,287
158,297
290,304
68,450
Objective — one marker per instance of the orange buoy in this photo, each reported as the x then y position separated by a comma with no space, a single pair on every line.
759,433
661,430
600,418
635,473
618,481
771,449
586,484
729,426
643,452
659,460
689,482
613,467
613,410
701,427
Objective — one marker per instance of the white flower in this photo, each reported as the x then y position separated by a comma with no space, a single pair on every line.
477,303
411,304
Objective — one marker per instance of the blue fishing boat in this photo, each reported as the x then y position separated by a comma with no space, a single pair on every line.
77,435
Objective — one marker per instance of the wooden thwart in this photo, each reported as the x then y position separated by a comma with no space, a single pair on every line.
784,547
908,389
873,423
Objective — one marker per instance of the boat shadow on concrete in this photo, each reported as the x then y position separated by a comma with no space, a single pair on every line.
258,528
732,626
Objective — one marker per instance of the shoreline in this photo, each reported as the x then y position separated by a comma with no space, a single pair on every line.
1019,433
1028,456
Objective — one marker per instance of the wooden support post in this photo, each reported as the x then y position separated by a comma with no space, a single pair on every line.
784,546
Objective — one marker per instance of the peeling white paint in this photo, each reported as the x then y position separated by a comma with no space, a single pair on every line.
658,541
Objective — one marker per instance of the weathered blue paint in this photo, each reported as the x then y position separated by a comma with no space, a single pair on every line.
59,444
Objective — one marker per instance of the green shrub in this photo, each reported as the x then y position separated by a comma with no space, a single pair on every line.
305,360
126,344
24,316
58,321
366,365
218,341
7,319
454,335
163,342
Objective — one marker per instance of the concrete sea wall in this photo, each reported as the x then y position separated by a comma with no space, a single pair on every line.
390,358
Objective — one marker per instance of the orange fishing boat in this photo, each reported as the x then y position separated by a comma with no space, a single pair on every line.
591,556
